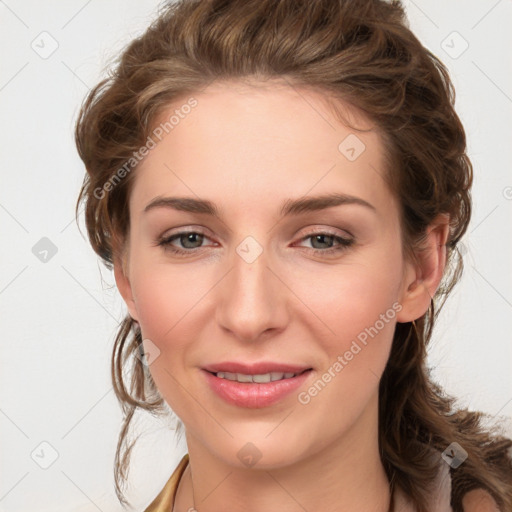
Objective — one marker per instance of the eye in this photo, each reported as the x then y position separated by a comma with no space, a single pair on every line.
190,240
323,238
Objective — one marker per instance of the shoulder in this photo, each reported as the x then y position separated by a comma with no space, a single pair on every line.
444,495
479,500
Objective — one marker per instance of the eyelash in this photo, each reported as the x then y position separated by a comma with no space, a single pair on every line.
344,243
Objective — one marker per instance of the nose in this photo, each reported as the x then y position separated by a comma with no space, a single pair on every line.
252,302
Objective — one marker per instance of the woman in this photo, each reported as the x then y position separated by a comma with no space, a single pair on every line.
280,187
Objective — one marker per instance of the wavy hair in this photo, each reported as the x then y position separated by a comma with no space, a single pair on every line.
358,51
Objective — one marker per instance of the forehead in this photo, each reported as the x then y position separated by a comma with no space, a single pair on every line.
253,141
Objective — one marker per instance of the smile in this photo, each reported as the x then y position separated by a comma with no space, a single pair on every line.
255,391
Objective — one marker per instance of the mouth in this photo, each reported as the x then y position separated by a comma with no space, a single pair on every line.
261,368
260,378
255,390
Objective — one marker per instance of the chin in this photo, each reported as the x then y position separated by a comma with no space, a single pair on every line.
255,448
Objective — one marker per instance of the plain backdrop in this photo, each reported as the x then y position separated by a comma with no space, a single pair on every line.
59,419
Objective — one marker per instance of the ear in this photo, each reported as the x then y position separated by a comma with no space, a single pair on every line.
422,277
124,286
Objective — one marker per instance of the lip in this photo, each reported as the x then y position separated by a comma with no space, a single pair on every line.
255,395
255,368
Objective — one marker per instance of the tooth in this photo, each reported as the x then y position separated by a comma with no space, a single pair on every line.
243,378
261,378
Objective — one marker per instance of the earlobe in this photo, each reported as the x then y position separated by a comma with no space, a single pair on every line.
422,278
125,288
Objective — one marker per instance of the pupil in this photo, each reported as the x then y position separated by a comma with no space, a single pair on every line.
321,238
190,238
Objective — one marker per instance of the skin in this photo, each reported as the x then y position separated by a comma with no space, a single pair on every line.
479,500
248,149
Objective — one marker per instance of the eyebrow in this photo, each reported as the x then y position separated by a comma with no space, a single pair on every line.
288,208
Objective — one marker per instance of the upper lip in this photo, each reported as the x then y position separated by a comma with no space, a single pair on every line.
255,368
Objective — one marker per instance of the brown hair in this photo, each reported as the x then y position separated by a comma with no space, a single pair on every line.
360,51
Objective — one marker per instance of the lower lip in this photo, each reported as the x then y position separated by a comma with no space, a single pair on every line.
254,395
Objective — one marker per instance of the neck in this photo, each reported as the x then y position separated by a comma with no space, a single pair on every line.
345,475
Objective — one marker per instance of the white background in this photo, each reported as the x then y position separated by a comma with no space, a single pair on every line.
59,318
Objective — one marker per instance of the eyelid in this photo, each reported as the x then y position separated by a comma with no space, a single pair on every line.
185,229
342,233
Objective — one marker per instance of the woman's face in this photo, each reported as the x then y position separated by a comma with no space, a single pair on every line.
254,284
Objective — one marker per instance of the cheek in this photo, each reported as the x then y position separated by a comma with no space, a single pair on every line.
163,303
166,300
351,298
360,307
166,296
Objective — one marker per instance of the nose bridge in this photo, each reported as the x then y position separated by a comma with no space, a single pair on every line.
251,299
